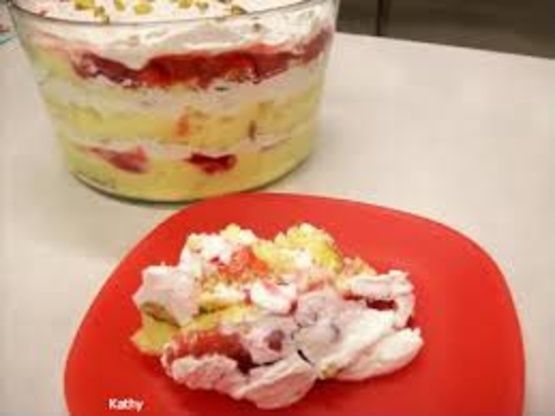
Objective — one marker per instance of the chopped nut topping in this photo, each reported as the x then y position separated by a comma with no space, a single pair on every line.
185,4
142,7
119,5
202,5
237,10
99,11
84,4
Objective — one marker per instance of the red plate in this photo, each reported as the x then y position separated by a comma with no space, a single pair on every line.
472,362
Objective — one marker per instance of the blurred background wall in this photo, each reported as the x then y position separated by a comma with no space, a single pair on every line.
518,26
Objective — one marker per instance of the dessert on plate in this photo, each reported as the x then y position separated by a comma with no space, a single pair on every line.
263,320
179,99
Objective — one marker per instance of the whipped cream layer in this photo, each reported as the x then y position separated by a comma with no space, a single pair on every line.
212,29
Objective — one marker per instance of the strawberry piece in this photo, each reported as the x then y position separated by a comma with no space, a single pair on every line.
209,342
382,305
212,165
275,340
259,267
133,161
182,126
239,262
244,260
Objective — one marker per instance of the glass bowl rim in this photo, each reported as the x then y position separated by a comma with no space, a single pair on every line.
298,5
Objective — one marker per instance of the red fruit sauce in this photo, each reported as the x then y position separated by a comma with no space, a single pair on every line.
254,64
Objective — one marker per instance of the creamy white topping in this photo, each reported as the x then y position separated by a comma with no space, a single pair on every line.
240,236
303,259
358,329
215,247
209,247
279,384
392,286
270,339
388,355
382,286
134,45
173,289
213,372
144,11
226,295
272,297
318,305
271,386
191,264
333,340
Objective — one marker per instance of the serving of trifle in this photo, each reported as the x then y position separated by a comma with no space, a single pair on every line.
263,320
171,100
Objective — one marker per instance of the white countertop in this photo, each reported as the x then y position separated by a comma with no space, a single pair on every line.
462,136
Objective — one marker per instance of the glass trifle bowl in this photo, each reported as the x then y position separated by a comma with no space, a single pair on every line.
163,100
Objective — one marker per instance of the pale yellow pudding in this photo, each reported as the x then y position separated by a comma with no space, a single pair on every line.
174,180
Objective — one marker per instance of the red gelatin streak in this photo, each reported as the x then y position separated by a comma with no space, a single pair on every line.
211,165
252,64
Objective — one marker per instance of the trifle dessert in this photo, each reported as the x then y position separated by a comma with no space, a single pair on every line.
172,100
263,320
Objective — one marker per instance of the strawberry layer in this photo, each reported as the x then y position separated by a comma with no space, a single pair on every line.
136,160
253,64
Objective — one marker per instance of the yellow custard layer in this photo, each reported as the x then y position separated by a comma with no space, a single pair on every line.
176,180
